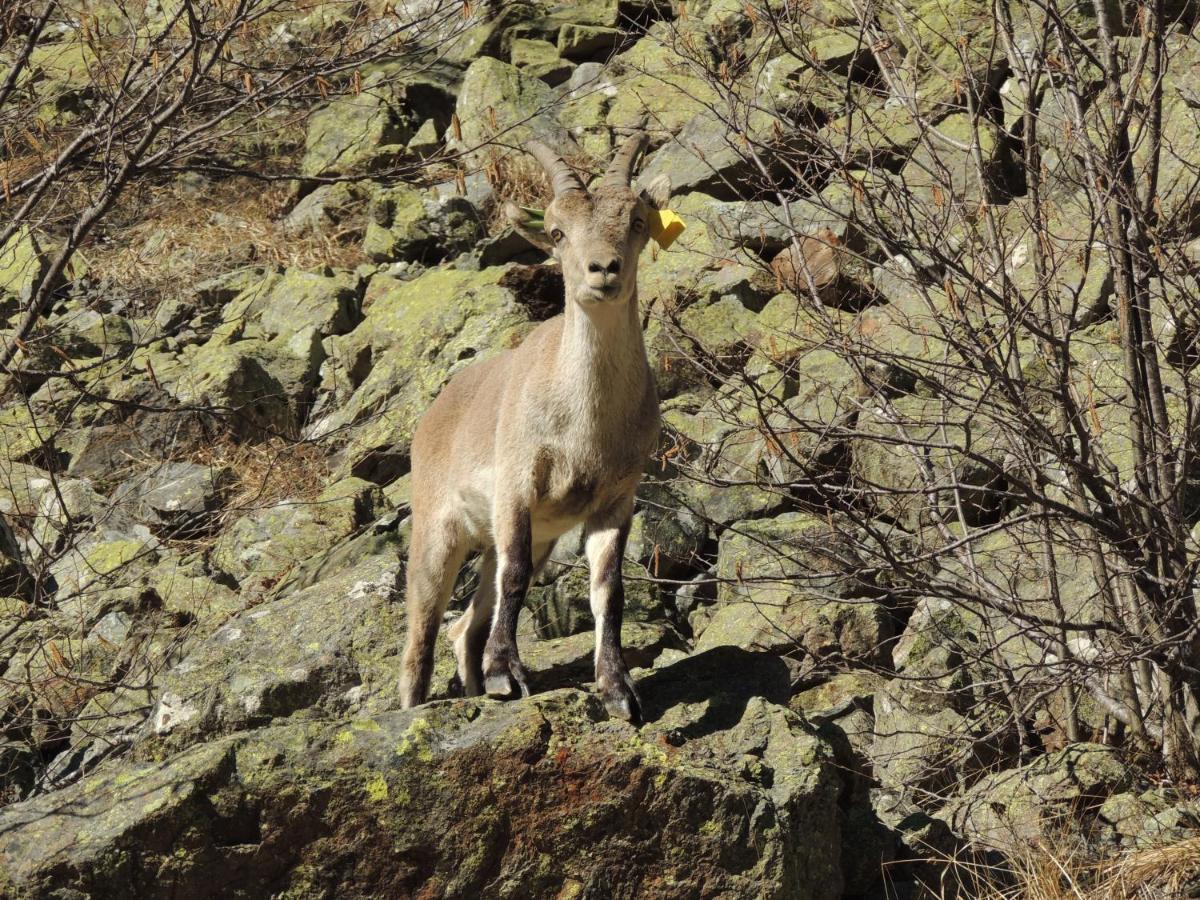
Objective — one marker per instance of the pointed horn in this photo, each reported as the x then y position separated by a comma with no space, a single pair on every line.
562,176
620,170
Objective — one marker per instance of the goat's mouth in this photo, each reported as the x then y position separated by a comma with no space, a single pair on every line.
603,293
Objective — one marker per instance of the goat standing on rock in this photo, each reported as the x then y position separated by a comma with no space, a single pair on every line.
520,448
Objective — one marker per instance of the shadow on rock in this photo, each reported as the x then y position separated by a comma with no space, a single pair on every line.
725,679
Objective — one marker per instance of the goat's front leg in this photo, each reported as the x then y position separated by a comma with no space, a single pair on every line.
503,673
605,547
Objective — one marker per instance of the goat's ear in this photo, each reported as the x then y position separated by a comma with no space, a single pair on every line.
658,191
528,227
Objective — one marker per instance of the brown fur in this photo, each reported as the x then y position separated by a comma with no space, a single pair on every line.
519,448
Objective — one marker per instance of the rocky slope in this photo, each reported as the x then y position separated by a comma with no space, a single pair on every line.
200,674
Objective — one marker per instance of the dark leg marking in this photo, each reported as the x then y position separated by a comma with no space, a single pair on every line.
504,675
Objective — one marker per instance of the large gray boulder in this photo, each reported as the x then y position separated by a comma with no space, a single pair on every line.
415,334
317,649
1055,794
500,102
725,794
408,224
792,584
175,499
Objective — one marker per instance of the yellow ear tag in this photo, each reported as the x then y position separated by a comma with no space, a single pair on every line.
665,226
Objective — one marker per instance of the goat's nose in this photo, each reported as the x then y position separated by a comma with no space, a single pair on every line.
610,266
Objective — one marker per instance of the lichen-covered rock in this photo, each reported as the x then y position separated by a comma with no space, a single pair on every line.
175,499
83,333
794,552
766,228
327,302
561,607
1008,557
659,85
101,571
327,208
703,156
247,380
961,468
351,132
500,101
259,361
942,723
941,175
685,272
1077,279
264,544
461,799
921,843
14,575
582,42
489,31
817,395
1151,818
22,266
925,750
63,67
569,661
723,453
414,336
190,592
407,224
793,583
1053,794
134,421
939,44
590,94
321,648
541,60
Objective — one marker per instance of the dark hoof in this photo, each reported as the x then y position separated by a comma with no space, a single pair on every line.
506,680
455,687
621,702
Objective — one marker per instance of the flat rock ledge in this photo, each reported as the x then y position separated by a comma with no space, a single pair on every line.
723,793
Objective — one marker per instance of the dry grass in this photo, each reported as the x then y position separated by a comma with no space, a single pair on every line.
519,178
1172,870
175,238
266,473
1060,870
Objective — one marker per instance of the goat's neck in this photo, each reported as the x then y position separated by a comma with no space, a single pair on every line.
602,359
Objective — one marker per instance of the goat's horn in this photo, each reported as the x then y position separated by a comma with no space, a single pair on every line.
620,170
562,176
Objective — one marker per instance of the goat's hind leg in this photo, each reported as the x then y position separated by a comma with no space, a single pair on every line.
469,632
434,558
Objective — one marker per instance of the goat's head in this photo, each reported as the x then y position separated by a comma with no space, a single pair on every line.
596,235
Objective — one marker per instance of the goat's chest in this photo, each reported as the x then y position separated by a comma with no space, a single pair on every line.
569,487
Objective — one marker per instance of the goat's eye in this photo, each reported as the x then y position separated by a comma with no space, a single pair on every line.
556,235
639,225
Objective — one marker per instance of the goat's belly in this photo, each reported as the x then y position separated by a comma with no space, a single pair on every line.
558,513
474,503
548,527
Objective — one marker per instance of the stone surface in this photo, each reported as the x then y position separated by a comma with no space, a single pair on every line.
264,544
406,224
1052,793
789,584
176,498
383,374
332,644
500,101
471,796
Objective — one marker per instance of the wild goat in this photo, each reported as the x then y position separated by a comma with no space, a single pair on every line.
520,448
